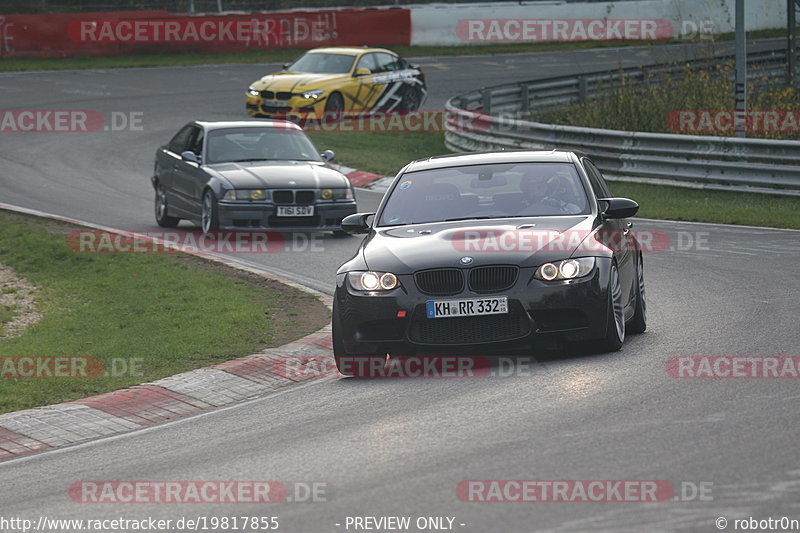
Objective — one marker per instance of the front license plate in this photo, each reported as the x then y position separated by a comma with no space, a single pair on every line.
296,211
276,103
467,307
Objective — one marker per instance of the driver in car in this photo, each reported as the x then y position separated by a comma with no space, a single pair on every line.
545,196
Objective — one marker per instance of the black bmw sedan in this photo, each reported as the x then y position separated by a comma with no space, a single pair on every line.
487,251
248,175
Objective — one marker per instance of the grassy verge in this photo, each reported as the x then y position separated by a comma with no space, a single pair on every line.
158,313
288,54
381,152
386,153
698,205
6,315
654,106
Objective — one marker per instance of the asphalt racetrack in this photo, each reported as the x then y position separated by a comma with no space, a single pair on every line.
401,447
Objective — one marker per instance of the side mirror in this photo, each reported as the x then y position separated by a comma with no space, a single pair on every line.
190,156
618,207
356,223
286,66
362,71
328,155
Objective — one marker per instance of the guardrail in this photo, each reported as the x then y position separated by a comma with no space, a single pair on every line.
481,121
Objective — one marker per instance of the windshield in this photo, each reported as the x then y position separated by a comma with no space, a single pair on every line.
257,144
323,64
486,191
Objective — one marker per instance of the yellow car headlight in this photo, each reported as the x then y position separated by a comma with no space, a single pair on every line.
253,195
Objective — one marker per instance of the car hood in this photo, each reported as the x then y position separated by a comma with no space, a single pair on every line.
295,82
522,241
279,174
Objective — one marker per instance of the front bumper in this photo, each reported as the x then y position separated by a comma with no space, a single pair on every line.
257,106
574,310
238,215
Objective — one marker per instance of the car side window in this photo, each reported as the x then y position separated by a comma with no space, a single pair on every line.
601,189
181,140
367,61
387,62
197,142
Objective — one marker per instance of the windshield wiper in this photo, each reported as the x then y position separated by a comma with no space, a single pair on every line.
252,159
468,218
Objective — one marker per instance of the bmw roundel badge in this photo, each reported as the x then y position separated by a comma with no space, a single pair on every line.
466,260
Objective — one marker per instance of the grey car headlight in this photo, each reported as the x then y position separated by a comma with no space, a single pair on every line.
373,281
566,269
312,94
252,91
252,195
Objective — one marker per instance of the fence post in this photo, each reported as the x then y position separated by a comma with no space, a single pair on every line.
582,88
524,98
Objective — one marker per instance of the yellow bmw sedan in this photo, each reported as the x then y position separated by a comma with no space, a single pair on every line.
336,81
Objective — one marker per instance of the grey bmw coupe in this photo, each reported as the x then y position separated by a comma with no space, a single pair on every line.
249,175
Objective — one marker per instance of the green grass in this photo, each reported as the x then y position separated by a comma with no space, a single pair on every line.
698,205
167,313
288,54
6,315
382,153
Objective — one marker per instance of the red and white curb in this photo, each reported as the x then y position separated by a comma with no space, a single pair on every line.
365,180
125,410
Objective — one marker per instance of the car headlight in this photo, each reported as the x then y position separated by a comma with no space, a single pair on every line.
312,94
373,281
566,269
253,195
252,91
342,193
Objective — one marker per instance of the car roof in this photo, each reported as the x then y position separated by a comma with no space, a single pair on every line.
348,50
494,157
224,124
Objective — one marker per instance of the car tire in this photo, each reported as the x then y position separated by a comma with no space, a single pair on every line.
348,364
209,217
162,218
638,323
615,321
412,99
334,107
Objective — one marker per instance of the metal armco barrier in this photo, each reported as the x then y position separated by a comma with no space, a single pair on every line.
482,120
